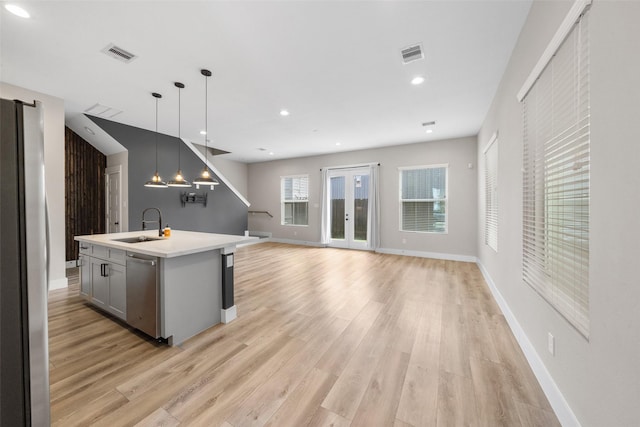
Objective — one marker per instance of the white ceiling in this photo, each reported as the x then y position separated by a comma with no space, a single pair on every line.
335,65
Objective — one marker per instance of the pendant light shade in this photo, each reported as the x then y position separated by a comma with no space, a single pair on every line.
205,176
179,180
156,181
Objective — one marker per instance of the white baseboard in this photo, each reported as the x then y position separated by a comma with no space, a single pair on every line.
58,284
296,242
421,254
253,242
229,314
562,409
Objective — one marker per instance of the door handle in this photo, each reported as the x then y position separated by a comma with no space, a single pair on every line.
140,260
103,270
116,223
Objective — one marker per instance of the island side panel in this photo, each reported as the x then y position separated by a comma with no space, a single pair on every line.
190,294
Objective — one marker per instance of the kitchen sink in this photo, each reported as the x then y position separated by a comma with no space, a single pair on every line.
137,239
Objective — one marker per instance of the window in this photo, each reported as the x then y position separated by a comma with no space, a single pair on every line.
491,193
423,199
556,180
294,193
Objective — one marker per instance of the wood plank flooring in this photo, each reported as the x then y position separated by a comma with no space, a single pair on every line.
324,337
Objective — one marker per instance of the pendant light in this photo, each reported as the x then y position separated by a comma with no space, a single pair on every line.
205,176
156,181
178,180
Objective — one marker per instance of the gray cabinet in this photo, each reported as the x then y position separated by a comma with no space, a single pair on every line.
103,278
118,290
85,276
99,283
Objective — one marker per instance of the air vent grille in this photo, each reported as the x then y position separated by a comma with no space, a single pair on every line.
118,53
103,111
412,53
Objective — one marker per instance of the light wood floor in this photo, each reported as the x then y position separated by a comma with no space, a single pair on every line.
324,337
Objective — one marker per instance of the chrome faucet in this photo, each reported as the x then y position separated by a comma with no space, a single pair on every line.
159,221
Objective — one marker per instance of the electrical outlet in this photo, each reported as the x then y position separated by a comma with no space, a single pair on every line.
295,233
551,344
404,241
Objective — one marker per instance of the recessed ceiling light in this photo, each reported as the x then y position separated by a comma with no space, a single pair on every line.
271,153
17,10
89,130
429,130
417,80
202,132
338,143
284,113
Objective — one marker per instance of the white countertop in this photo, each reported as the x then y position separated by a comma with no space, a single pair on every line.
180,243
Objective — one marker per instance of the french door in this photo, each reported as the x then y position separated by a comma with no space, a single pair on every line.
349,208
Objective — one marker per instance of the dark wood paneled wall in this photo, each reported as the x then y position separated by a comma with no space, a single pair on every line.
84,190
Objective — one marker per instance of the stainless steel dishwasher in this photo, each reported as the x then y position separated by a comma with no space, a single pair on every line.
143,311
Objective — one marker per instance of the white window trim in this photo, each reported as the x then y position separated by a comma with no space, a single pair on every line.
445,199
282,200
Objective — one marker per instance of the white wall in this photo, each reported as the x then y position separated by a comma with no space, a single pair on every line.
122,159
235,172
54,173
599,377
264,194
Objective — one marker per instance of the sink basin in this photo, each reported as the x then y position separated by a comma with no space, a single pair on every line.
137,239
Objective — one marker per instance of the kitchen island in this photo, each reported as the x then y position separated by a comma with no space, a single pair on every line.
188,279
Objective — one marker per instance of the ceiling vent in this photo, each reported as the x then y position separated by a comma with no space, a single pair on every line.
103,111
412,53
429,123
118,53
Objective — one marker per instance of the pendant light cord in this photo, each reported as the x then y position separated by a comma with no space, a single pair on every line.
156,136
206,122
180,139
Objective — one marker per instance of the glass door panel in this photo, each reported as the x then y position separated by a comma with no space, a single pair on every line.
360,207
337,207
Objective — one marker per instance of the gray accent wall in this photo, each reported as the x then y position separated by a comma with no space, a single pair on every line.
225,213
460,241
599,377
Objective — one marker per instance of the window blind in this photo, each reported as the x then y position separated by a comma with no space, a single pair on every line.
423,199
556,159
491,194
295,200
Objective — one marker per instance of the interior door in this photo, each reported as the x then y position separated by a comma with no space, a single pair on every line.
349,208
113,200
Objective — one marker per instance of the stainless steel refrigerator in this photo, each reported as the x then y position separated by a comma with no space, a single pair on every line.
24,358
